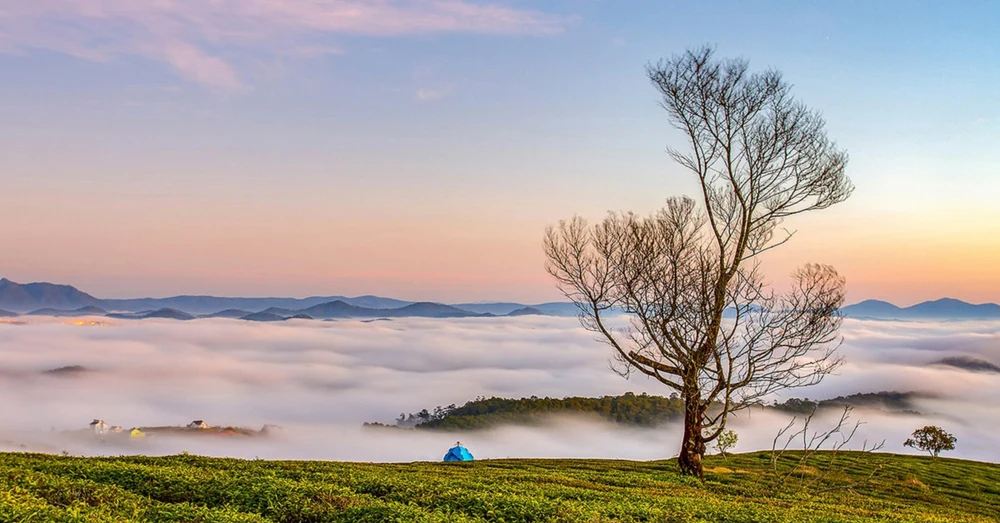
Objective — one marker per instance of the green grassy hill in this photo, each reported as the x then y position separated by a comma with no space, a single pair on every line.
42,488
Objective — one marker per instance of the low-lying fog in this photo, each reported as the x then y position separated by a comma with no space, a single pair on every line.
321,380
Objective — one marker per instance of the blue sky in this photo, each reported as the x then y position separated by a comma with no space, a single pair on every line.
418,149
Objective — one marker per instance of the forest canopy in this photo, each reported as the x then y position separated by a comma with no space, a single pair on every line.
642,410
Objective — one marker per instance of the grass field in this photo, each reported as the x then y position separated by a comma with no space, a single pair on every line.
43,488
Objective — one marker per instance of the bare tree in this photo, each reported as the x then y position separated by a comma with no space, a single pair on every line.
702,319
813,442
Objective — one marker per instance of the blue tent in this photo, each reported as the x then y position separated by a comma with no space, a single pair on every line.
458,453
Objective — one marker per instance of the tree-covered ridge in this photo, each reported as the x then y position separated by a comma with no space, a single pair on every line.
642,410
632,409
891,401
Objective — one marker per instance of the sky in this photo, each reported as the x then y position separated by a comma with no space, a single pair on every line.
417,149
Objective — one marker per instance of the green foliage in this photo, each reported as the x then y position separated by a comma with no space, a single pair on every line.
931,439
726,441
630,409
44,488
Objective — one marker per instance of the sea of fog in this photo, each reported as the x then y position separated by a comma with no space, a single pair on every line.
321,380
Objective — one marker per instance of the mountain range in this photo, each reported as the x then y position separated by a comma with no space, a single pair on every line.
26,297
64,300
47,299
944,308
212,304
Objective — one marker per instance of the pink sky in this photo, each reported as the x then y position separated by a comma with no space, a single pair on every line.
418,148
447,252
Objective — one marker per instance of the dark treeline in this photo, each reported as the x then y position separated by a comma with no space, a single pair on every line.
630,409
640,410
891,401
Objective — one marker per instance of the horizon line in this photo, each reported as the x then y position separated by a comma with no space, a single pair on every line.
334,297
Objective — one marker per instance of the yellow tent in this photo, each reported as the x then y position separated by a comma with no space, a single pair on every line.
136,433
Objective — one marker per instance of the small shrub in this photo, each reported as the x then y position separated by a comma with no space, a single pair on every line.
726,441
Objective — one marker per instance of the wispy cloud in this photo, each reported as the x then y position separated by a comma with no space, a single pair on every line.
195,37
193,64
429,94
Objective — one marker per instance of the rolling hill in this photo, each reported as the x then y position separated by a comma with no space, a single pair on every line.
848,487
505,308
430,310
525,311
331,310
499,308
872,309
942,309
558,308
228,313
340,309
952,308
65,300
89,310
263,316
27,297
170,314
203,305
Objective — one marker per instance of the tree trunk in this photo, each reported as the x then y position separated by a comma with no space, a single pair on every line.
693,445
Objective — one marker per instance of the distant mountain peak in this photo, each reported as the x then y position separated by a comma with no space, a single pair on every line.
526,311
876,302
941,308
26,297
945,301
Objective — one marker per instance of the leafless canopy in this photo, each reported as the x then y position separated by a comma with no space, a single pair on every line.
702,319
